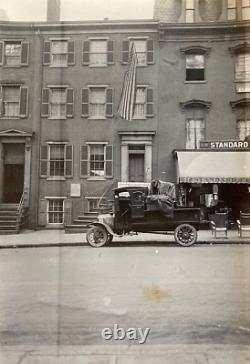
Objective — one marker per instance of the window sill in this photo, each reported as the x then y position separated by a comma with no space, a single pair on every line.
14,66
96,179
139,118
51,66
98,65
194,82
56,178
10,117
57,118
96,118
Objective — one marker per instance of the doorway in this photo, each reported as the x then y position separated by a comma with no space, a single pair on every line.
13,176
136,163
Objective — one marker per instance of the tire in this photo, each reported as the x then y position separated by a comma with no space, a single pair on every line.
185,235
97,236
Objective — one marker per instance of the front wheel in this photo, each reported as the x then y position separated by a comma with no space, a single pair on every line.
185,235
97,236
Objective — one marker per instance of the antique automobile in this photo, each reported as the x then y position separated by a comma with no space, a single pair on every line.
149,210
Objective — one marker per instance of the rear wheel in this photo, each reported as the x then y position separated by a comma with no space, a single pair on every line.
185,235
97,236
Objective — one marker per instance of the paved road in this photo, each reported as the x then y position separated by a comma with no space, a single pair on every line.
198,295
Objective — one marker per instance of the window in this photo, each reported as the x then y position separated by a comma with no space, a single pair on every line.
140,103
242,67
93,204
231,9
195,67
190,11
14,53
144,50
98,52
97,102
56,160
141,51
59,53
57,102
13,101
97,160
55,211
245,9
243,129
195,133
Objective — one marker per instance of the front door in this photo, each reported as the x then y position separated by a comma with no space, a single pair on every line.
136,167
13,178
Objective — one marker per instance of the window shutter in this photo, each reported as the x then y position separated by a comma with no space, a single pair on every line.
25,54
85,52
150,51
1,102
42,216
1,52
109,102
109,161
69,102
150,104
45,102
71,53
125,51
23,106
69,161
84,168
110,52
46,53
44,161
85,102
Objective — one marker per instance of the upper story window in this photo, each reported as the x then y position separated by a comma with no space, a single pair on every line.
56,160
97,160
195,133
98,52
245,9
243,129
57,102
143,102
144,50
97,102
241,54
13,101
190,11
59,53
14,53
231,9
195,67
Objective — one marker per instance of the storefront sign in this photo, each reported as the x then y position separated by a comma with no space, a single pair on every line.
226,144
75,190
213,180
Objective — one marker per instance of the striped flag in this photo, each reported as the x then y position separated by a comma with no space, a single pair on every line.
127,102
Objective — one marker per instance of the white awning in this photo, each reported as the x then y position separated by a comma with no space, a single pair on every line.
213,167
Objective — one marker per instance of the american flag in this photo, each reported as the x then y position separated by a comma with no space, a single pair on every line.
127,102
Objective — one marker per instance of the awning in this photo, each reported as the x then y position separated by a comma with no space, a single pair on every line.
213,167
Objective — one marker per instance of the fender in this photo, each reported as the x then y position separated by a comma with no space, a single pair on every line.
107,227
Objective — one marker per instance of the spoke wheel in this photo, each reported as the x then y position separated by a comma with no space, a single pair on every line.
97,236
185,235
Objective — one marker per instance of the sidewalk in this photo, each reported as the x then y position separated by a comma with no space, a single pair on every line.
44,238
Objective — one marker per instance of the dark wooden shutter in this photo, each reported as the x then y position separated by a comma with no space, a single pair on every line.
69,102
125,51
69,160
1,101
25,54
150,51
1,52
46,53
109,161
71,53
44,160
150,104
45,102
42,215
84,157
110,52
85,102
109,102
85,52
23,106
